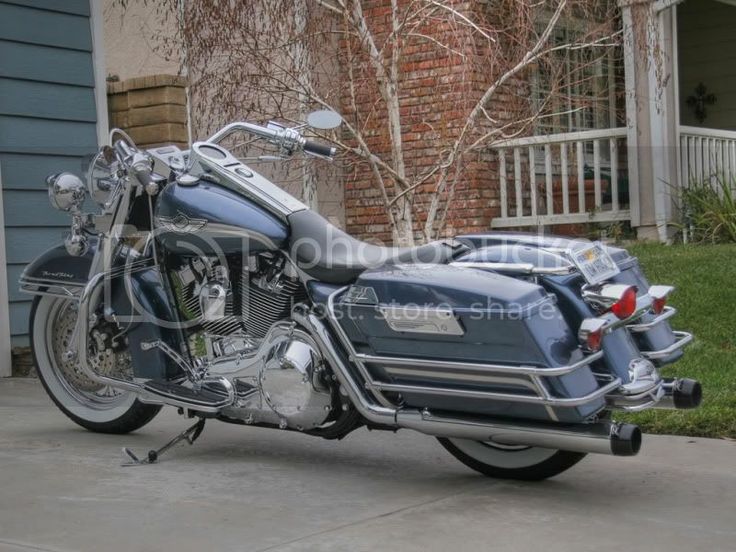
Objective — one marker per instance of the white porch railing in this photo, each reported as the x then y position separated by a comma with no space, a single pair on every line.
707,155
569,178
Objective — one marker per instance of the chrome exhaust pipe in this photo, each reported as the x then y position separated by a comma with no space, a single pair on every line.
600,437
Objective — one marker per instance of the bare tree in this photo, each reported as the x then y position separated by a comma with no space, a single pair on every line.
266,58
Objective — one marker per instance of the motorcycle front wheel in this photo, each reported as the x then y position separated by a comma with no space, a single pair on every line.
92,405
511,462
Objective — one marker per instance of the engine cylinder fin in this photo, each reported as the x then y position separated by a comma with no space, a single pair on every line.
262,308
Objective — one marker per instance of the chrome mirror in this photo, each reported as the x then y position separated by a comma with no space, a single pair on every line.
324,119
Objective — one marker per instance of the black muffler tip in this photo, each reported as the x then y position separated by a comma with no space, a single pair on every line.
626,440
687,393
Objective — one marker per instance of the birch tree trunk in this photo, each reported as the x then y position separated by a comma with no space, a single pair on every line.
302,64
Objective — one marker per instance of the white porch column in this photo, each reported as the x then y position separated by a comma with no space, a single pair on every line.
651,114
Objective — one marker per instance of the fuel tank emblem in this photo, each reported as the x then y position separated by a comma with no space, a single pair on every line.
180,224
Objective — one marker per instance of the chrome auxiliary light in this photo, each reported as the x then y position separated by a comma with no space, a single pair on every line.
67,192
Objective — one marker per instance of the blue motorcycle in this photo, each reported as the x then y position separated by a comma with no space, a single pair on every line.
200,284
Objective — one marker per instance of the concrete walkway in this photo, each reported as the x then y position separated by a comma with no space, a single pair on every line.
247,489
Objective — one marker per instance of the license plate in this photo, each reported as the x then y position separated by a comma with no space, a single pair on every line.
595,264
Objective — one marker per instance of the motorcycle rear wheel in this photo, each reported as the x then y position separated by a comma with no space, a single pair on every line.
511,462
93,406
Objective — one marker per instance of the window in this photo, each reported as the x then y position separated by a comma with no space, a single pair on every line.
578,88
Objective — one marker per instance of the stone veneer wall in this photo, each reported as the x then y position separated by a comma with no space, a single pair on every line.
153,110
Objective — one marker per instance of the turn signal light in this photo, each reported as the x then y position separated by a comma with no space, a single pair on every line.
594,341
626,304
590,334
659,296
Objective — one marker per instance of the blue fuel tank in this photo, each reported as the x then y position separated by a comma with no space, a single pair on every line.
208,219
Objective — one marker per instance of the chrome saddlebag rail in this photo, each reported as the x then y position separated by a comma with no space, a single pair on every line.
683,339
523,384
600,437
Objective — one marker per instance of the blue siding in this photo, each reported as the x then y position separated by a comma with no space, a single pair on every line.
47,125
47,136
45,64
77,7
24,244
19,318
61,30
29,172
24,208
15,295
47,101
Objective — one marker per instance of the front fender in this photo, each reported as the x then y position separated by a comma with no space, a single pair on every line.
55,271
138,298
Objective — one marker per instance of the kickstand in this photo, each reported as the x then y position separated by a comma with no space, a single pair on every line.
189,435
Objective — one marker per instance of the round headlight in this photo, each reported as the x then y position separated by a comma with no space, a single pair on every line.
66,191
103,180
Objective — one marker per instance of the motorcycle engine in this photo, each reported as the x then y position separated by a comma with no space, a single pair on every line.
230,308
239,328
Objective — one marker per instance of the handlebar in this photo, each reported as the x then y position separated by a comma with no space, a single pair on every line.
262,132
288,139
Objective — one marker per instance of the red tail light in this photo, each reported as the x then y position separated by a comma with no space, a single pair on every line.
626,304
658,305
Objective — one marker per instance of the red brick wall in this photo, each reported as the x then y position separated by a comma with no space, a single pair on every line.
437,92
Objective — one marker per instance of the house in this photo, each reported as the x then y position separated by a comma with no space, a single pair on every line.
679,127
52,114
662,114
659,114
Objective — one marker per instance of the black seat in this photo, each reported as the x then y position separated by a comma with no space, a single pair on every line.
329,255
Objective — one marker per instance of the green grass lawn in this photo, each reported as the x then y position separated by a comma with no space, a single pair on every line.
705,277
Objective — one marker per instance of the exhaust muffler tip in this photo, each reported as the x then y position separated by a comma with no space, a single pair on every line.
687,393
626,440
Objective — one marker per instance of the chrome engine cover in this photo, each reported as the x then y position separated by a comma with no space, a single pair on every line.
290,382
283,383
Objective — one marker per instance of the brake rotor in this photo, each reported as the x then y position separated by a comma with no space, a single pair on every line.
103,360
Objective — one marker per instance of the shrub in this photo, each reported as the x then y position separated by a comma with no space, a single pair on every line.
709,211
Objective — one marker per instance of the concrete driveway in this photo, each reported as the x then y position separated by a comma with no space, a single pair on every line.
247,489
